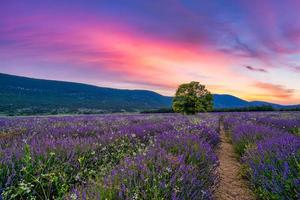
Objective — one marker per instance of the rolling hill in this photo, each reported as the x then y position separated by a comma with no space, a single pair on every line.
22,95
229,101
25,94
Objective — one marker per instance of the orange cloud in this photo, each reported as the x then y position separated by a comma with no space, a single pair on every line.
273,90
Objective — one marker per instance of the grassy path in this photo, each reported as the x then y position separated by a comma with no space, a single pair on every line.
231,185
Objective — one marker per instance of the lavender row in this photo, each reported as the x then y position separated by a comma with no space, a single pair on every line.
291,125
271,156
286,121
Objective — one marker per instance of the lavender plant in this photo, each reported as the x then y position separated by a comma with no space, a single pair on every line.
269,152
274,167
55,157
178,166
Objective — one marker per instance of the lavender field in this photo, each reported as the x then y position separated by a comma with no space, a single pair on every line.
155,156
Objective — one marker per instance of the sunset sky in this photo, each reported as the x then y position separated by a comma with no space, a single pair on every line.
250,49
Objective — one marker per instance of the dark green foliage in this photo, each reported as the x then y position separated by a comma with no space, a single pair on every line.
163,110
290,109
191,98
246,109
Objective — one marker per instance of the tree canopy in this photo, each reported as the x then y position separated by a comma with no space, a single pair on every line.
191,98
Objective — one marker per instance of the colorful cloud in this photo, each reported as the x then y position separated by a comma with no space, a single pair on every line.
277,91
156,44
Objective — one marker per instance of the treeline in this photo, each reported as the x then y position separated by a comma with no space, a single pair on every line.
290,109
246,109
243,109
37,110
256,109
162,110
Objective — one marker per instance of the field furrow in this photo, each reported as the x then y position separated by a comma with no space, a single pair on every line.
231,184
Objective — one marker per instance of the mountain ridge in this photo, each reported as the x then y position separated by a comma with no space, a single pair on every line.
22,94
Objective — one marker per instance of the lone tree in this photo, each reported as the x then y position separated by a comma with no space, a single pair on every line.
191,98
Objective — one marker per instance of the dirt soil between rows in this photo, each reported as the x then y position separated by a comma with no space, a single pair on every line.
231,185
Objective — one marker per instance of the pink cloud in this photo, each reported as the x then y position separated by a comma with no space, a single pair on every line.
274,90
111,49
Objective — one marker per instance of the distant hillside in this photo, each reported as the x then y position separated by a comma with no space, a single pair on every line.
44,96
21,95
229,101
